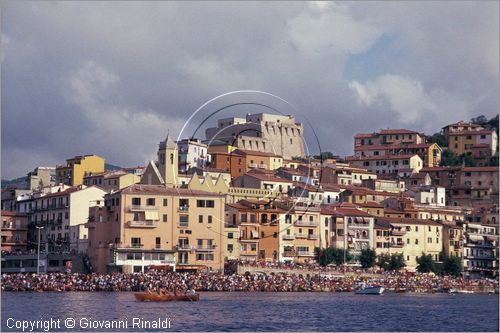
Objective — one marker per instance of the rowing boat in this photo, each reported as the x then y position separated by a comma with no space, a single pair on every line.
153,297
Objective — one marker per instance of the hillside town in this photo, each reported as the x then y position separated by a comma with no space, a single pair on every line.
248,194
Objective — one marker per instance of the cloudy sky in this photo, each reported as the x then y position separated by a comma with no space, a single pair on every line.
112,78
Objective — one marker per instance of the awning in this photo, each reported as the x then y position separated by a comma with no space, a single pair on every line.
255,234
152,215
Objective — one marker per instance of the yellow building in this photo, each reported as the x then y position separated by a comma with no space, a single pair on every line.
111,180
417,236
151,225
78,167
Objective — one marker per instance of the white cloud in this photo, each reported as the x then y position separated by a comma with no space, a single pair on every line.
408,101
331,29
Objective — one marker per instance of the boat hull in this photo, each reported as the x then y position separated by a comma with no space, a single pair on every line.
152,297
378,290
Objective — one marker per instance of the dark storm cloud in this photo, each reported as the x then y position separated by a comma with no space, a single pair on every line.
112,77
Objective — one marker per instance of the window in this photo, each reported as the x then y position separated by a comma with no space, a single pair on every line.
200,203
135,241
407,241
209,219
408,228
230,235
165,218
243,217
158,242
165,202
200,218
230,247
183,220
136,201
416,241
210,203
150,201
429,240
136,217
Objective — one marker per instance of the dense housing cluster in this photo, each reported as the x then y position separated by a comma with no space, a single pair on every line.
249,193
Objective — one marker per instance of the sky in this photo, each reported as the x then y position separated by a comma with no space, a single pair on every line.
113,78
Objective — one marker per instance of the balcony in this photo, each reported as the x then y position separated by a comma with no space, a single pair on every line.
312,237
252,165
12,241
288,237
248,252
136,246
306,223
142,224
289,254
300,235
183,209
399,244
262,166
206,248
135,208
183,247
398,232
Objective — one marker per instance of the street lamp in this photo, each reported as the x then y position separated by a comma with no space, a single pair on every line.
38,252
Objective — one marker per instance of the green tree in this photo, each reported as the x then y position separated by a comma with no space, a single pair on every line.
452,265
425,263
332,255
384,261
397,262
438,138
367,258
449,158
493,123
481,120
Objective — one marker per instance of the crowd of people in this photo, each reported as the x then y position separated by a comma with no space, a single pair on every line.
211,281
310,267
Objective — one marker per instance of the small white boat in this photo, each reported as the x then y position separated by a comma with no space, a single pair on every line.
461,291
370,290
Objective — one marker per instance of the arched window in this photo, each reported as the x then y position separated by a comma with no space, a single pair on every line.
171,158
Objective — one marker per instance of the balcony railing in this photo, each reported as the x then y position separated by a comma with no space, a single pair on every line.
136,245
183,209
252,165
288,237
397,244
206,248
141,208
262,166
10,241
248,252
142,224
306,223
300,235
304,253
289,254
183,247
314,237
398,232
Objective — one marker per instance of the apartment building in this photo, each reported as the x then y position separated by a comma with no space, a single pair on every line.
350,228
240,161
388,137
480,250
390,165
63,216
111,181
152,225
41,176
465,138
430,153
270,133
14,231
78,167
263,180
192,154
414,237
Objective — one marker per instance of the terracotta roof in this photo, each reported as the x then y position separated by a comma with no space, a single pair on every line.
343,211
371,204
331,187
481,169
266,176
483,131
365,135
381,224
308,187
397,131
463,123
161,189
404,220
253,152
389,146
12,213
379,158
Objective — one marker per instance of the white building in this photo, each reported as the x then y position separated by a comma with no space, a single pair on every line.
63,215
388,164
192,153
